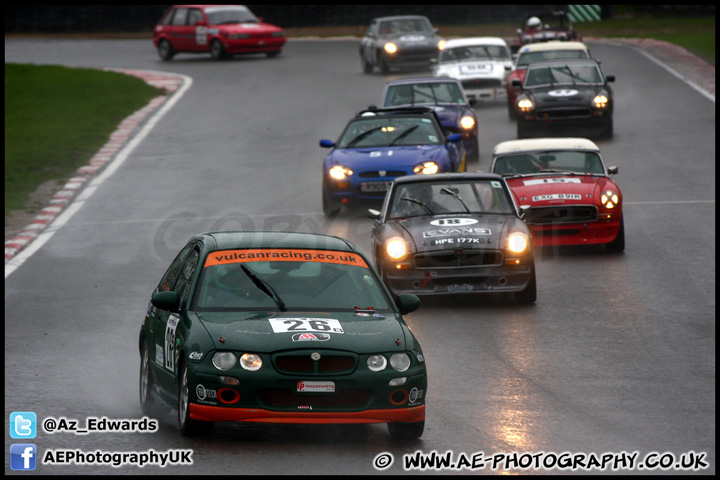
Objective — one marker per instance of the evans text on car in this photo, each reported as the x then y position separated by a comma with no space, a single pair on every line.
453,233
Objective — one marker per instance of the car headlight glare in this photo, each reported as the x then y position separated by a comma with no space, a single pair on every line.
400,361
251,361
376,363
390,47
467,123
525,105
441,45
609,199
396,248
224,360
339,172
517,242
426,168
600,101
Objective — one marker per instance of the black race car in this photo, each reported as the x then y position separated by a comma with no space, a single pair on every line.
568,95
453,233
407,41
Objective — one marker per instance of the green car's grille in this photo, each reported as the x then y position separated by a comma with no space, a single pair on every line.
303,364
281,398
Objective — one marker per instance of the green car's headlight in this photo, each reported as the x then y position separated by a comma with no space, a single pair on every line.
251,362
517,242
376,363
400,361
224,360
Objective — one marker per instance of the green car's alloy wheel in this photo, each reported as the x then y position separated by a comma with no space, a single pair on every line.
149,406
188,426
406,431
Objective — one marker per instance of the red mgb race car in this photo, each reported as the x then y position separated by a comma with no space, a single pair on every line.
221,30
565,189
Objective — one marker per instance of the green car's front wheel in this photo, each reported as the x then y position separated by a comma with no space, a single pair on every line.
148,404
186,425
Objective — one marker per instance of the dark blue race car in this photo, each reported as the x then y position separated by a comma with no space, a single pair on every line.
447,97
379,145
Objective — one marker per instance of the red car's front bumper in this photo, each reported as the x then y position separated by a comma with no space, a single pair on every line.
590,233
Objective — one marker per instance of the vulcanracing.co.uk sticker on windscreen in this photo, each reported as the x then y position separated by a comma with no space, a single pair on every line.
283,255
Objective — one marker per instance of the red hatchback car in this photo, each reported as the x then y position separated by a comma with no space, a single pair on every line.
221,30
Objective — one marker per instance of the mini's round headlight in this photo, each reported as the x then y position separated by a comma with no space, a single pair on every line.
517,242
376,363
525,104
600,101
609,199
250,361
400,361
390,47
224,360
396,248
467,123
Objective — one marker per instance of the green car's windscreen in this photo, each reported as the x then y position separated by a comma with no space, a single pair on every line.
287,279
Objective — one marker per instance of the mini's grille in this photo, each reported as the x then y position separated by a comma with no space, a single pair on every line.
451,259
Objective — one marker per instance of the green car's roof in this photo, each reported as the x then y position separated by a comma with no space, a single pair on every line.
232,240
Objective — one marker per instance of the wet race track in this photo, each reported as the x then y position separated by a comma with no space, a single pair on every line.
616,357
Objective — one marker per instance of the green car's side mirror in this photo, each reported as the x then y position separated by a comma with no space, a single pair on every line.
169,301
407,302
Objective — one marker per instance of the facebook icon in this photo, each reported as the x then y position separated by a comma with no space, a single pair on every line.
23,456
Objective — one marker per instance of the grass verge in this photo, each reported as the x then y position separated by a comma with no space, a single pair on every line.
57,118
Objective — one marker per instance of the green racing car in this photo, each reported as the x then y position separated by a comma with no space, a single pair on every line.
278,327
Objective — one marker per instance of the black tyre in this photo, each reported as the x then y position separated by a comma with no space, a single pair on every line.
217,51
521,131
529,293
148,404
165,50
617,245
186,425
384,67
406,431
367,67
